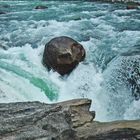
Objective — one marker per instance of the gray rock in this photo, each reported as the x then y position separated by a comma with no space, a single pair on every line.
4,47
117,130
34,120
69,120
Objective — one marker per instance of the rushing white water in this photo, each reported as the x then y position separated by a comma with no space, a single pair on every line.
110,35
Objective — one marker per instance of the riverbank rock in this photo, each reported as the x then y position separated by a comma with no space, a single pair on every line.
62,54
34,120
69,120
117,130
41,7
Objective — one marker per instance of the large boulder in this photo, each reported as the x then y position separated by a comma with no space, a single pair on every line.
62,54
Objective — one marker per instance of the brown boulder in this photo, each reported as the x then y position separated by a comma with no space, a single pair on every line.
63,54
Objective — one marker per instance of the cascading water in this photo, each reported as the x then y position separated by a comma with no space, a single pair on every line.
110,74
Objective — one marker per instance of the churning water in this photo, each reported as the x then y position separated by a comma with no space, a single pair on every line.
110,74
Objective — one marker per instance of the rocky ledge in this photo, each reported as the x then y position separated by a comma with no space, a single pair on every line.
70,120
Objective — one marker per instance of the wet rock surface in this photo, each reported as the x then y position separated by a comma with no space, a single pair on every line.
62,54
70,120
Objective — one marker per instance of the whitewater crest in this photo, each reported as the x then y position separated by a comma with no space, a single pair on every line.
16,64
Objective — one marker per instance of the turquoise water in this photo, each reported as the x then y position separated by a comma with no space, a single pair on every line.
109,75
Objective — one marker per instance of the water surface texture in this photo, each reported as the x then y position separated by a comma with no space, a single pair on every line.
110,73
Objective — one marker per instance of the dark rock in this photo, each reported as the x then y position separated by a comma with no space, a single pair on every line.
6,6
79,111
133,3
41,7
63,54
3,47
2,13
69,120
77,18
129,7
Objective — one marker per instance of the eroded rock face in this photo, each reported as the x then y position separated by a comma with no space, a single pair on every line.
79,111
34,120
63,54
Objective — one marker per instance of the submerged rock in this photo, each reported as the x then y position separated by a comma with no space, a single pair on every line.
2,13
129,7
132,5
69,120
41,7
4,6
63,54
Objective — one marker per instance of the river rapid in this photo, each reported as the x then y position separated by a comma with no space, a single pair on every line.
110,73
